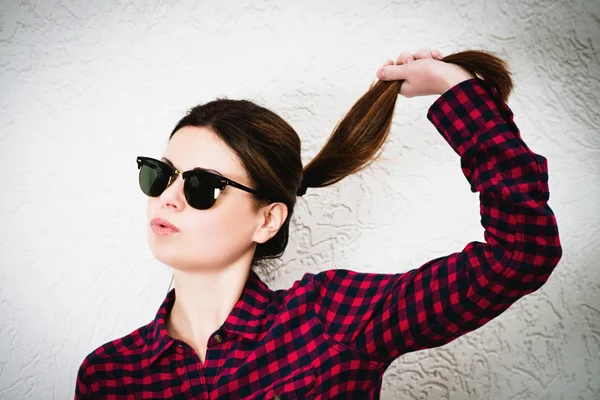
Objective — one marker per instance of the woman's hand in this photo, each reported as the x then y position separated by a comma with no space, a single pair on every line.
423,73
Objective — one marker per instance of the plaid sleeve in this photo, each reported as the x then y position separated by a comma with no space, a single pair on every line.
386,315
82,389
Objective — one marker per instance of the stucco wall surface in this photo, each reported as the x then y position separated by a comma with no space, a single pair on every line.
87,86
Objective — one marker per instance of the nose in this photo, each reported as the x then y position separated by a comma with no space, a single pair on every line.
173,195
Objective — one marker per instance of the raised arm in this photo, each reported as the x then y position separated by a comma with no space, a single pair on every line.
387,315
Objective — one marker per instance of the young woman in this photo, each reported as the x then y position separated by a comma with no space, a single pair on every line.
220,201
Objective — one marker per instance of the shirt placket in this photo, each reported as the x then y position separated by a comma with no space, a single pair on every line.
192,372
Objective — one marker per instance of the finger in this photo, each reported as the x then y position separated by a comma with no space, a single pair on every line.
387,63
403,57
437,54
423,53
394,72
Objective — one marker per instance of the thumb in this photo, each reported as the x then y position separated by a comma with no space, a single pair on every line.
406,89
393,72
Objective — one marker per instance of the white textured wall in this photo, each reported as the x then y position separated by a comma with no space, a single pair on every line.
85,89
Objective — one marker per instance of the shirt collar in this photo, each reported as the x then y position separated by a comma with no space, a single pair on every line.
245,319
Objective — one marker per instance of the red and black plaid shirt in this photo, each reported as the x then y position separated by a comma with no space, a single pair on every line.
333,334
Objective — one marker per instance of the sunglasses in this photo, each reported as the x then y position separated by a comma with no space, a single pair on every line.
201,188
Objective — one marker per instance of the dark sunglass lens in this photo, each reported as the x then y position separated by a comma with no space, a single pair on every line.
201,190
153,179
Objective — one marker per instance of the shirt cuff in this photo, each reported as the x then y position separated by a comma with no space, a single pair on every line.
462,112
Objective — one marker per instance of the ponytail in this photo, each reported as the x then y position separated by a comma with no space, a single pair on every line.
357,140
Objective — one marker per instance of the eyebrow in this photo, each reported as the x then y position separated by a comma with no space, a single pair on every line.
197,168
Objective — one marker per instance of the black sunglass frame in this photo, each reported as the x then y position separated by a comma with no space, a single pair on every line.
217,181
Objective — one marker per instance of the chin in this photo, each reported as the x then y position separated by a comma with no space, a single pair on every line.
165,256
163,250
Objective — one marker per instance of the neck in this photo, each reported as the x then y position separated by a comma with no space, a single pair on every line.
204,299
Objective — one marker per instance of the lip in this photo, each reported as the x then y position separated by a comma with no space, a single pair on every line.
163,225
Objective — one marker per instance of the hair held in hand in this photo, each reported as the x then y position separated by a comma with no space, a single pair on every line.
357,140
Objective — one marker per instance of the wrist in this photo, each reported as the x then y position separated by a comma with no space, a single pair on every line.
454,78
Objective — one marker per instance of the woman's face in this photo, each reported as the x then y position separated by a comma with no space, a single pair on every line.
207,239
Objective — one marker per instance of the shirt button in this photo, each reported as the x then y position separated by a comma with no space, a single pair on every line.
218,338
276,397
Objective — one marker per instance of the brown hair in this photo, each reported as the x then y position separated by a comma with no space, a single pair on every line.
269,148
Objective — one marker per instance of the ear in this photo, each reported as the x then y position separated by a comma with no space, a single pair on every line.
270,219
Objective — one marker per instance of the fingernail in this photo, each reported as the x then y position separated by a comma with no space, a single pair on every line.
382,73
409,60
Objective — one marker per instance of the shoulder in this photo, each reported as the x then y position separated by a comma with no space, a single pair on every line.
340,276
314,285
339,289
124,350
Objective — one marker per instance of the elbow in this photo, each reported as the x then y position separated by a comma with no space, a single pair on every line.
539,251
538,272
529,269
557,253
551,250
